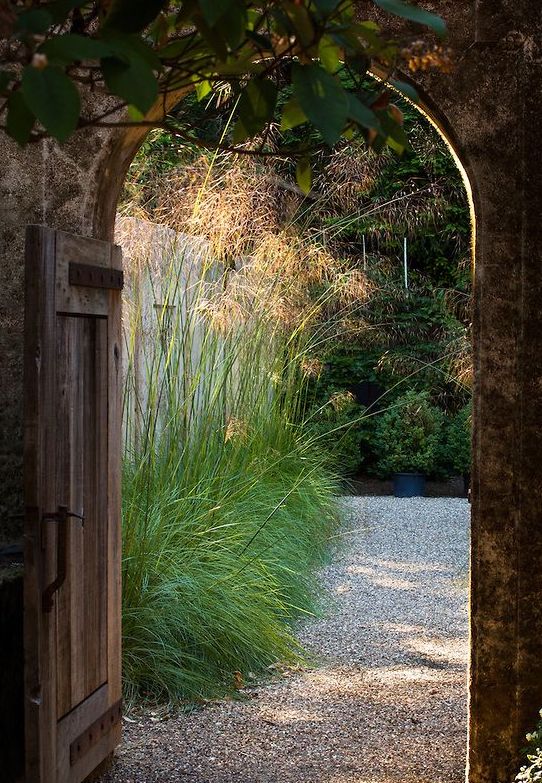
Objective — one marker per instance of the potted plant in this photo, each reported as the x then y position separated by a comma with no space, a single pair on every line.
407,441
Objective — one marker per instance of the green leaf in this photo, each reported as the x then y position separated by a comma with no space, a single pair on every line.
405,88
71,48
130,48
292,115
301,22
280,23
239,65
132,16
161,28
256,108
134,82
326,6
53,98
134,114
322,98
214,10
394,134
223,24
203,89
174,49
362,114
413,14
185,13
233,26
20,120
329,53
303,174
34,21
212,38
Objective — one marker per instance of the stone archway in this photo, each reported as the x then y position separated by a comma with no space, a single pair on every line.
488,110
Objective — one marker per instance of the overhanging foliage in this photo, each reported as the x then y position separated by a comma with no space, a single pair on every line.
252,53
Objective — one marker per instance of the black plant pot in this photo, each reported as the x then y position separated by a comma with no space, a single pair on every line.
408,485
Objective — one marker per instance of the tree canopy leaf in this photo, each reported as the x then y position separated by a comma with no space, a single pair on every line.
53,98
414,14
256,108
292,115
134,81
303,174
34,21
72,47
132,16
20,119
214,10
405,88
322,99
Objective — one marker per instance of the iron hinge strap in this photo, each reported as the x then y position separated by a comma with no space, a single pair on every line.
93,276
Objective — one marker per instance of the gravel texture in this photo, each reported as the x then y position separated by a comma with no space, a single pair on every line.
386,702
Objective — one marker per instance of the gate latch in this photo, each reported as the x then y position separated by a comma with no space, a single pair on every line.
61,517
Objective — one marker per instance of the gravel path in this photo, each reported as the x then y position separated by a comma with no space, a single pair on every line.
387,704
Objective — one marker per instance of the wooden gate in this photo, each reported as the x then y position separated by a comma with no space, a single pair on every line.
72,496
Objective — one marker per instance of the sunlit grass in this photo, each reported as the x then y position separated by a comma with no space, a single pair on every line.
228,503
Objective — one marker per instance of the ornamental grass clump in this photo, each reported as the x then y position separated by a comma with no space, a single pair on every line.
228,505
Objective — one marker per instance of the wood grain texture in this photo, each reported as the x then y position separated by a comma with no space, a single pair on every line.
39,479
114,549
72,441
73,725
80,299
81,448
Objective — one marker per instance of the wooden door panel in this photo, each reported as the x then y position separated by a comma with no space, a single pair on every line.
72,487
82,744
78,299
81,448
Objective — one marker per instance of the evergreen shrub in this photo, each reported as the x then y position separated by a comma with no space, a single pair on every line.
408,436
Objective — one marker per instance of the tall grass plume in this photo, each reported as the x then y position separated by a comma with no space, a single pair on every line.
228,503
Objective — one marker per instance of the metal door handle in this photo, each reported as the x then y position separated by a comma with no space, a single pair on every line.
61,517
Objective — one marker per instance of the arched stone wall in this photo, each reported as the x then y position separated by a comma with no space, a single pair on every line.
488,108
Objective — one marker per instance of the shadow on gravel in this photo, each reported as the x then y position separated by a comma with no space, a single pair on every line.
388,702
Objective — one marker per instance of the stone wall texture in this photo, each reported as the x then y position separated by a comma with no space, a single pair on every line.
489,109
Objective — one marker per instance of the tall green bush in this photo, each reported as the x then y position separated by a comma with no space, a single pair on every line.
408,435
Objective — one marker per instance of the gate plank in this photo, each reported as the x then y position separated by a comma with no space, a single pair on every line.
72,459
39,382
81,446
114,551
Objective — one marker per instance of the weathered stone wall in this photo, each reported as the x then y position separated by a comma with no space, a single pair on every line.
46,185
489,109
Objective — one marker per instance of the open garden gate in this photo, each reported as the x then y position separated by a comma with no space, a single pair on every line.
72,498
